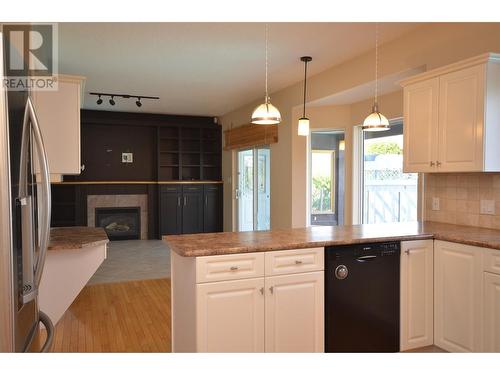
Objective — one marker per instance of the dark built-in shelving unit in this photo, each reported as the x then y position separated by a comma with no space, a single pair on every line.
189,154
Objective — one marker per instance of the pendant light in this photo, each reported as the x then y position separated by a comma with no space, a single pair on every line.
376,121
304,121
266,113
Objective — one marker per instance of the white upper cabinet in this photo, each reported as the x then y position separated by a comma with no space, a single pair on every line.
421,125
451,118
461,120
58,113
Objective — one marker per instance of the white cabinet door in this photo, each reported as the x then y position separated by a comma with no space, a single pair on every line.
417,294
230,316
458,297
491,312
421,126
461,120
295,313
59,115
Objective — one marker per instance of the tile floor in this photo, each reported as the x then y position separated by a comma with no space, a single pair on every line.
134,260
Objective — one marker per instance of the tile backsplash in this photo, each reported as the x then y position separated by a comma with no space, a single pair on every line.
460,195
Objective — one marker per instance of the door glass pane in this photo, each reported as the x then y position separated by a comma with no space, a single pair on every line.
326,180
263,189
389,195
245,190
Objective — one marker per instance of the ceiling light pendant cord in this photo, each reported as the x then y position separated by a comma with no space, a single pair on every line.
267,47
376,65
305,88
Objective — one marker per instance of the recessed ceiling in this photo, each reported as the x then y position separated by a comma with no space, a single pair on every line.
205,68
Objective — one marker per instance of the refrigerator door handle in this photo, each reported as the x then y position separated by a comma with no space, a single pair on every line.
49,327
32,279
45,186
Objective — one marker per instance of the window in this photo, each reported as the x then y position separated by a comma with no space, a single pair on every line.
323,181
326,177
389,195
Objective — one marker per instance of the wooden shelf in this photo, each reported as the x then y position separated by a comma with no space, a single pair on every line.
190,154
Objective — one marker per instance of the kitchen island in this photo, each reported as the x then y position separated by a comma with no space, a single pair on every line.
264,291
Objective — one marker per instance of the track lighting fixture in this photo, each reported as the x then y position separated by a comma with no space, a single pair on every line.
112,101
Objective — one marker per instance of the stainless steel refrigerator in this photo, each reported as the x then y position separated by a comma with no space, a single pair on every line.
25,219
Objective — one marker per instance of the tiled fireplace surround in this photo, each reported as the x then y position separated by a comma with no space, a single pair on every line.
459,195
119,200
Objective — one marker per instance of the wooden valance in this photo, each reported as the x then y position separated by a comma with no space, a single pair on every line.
250,136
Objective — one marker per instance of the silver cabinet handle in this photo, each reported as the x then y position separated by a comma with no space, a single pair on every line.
298,262
261,290
179,201
206,200
431,164
185,200
234,268
271,289
438,163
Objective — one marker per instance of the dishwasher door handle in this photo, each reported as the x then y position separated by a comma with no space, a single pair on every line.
366,258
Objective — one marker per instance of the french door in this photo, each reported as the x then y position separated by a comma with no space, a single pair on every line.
254,187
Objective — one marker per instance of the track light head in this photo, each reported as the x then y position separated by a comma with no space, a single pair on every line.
112,100
138,102
99,101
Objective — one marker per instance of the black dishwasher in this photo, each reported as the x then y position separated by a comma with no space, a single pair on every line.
362,298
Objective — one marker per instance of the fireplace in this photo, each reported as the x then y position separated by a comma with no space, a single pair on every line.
120,223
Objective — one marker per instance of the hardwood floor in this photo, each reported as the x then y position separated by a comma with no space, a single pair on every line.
132,316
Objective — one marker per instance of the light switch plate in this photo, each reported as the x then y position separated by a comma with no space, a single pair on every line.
435,204
127,157
487,207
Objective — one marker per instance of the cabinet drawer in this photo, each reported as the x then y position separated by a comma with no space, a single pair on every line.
229,267
491,261
295,261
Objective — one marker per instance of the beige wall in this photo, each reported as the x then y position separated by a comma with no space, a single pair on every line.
459,196
432,45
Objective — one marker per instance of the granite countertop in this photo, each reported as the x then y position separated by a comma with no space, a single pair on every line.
194,245
67,238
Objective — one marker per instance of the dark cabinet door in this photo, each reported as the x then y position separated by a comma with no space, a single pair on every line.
212,210
171,210
192,209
